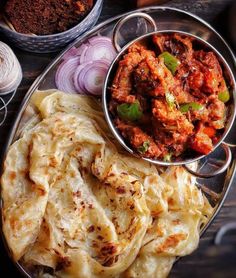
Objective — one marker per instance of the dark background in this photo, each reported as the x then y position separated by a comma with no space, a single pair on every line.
208,260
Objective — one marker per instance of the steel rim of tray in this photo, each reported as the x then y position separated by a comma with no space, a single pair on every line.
34,86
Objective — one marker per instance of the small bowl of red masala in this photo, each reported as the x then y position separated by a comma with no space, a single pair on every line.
169,98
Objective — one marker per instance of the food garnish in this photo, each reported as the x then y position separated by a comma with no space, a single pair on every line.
170,99
190,106
64,74
167,157
129,111
89,77
144,147
84,68
224,96
170,61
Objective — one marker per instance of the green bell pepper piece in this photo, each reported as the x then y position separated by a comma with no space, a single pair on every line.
170,61
129,111
142,149
167,157
224,96
190,106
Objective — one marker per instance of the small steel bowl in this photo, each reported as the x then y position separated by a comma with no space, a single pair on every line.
54,42
204,45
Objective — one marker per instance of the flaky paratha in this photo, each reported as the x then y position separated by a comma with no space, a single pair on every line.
76,205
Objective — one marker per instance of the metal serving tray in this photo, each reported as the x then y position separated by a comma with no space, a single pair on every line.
216,188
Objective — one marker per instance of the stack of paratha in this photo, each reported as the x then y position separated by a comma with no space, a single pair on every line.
76,205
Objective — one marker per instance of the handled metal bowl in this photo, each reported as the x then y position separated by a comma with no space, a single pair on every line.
205,45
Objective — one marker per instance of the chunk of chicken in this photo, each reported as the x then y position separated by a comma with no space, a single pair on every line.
201,142
213,81
171,118
137,138
171,127
122,83
175,44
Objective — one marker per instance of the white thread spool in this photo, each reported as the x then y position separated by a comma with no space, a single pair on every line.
10,70
10,77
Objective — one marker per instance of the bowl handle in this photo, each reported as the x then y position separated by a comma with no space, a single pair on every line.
220,170
223,230
126,18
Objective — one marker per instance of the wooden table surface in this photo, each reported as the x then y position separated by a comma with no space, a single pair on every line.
208,260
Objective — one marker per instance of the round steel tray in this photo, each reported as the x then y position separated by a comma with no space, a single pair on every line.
216,189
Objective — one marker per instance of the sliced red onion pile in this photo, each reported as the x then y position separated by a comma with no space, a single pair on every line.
84,69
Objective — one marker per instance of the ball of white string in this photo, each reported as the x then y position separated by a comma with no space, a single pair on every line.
10,70
10,77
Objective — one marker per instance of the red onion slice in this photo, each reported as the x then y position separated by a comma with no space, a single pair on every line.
72,52
93,76
84,68
83,55
99,48
64,75
82,48
94,40
78,79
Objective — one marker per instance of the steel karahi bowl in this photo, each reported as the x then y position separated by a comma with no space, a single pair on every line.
228,75
54,42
